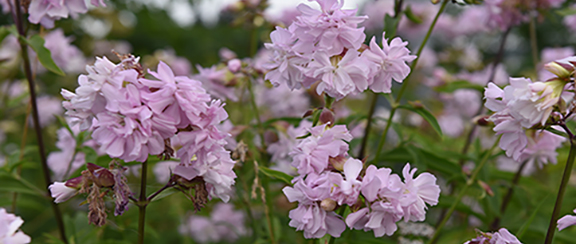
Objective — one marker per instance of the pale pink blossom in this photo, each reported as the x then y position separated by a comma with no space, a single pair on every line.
223,224
417,193
566,221
61,192
46,12
9,225
502,236
387,63
313,152
316,222
68,57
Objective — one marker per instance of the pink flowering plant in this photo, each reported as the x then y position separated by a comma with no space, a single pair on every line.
328,121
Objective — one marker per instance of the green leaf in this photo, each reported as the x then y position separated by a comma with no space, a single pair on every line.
459,84
12,184
165,193
4,32
411,16
566,11
426,115
532,216
389,25
44,55
276,174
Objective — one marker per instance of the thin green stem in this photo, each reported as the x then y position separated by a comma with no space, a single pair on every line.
405,83
561,191
35,118
256,113
469,182
496,222
142,203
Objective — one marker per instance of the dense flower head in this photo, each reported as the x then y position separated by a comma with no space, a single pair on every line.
330,179
132,117
325,45
9,233
525,105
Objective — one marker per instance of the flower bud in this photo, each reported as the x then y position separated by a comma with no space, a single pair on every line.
327,117
560,69
328,204
102,176
337,162
234,65
482,120
486,188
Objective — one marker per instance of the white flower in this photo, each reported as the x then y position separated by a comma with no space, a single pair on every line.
61,192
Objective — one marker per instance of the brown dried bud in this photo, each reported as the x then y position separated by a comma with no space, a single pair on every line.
486,188
328,204
482,120
309,112
102,176
97,211
327,117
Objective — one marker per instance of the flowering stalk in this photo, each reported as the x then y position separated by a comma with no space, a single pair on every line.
560,196
404,84
35,118
469,182
142,203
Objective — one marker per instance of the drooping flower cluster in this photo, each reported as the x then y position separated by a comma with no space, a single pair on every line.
329,178
326,45
96,181
9,233
527,105
502,236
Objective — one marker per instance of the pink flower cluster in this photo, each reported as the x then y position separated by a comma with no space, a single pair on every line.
326,45
330,178
133,117
525,104
502,236
46,12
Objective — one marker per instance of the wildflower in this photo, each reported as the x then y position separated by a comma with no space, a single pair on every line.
502,236
9,233
566,221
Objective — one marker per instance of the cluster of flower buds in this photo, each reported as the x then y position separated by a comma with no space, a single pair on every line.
329,179
327,45
525,106
96,182
502,236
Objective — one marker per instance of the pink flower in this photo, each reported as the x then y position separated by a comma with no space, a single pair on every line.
313,152
417,192
61,192
214,81
348,188
67,160
286,143
503,236
387,63
566,221
9,233
46,12
339,76
315,222
65,55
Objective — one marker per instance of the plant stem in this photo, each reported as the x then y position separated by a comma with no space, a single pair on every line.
21,155
405,83
533,42
374,102
38,129
496,223
560,196
368,125
469,182
142,203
